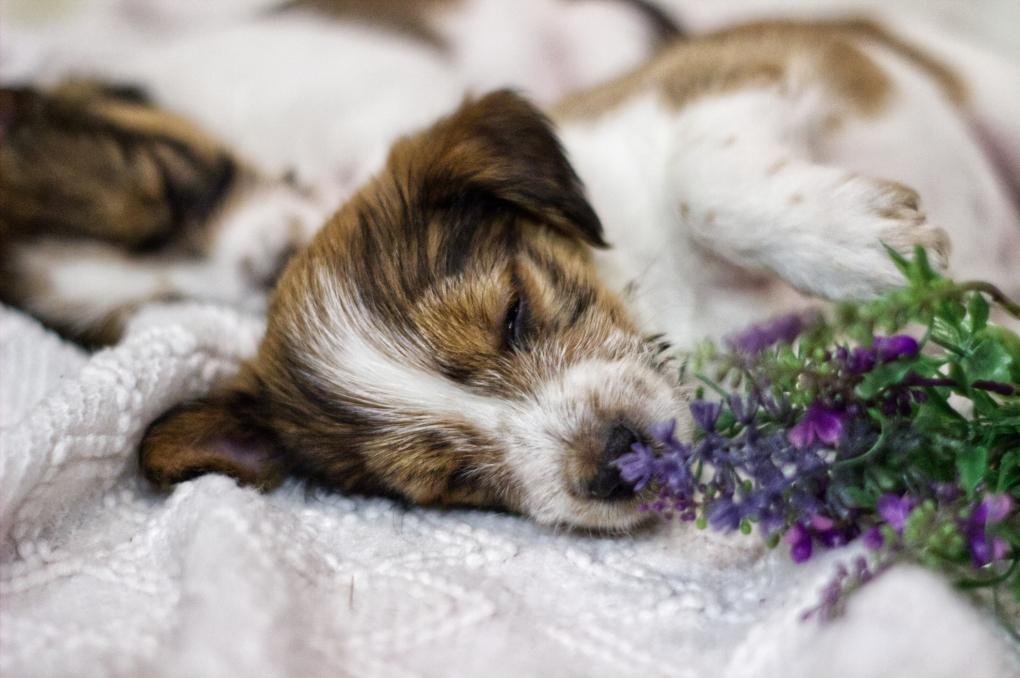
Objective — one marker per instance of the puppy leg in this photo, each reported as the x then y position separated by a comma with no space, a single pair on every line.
747,189
87,290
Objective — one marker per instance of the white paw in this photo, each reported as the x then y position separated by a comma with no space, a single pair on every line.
867,214
263,230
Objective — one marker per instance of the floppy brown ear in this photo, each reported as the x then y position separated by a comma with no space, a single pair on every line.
221,433
503,146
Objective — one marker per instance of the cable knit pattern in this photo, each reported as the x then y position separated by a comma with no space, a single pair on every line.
101,576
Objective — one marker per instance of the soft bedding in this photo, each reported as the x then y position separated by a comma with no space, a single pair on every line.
101,576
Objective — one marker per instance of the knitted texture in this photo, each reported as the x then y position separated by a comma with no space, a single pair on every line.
102,576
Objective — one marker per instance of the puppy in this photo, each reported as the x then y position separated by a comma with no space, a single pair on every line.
460,333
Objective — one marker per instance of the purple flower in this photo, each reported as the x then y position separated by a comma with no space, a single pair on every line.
1000,547
744,410
724,514
894,510
705,414
671,469
799,540
992,509
873,539
636,467
818,422
822,523
996,507
858,361
757,338
663,430
984,550
825,530
893,348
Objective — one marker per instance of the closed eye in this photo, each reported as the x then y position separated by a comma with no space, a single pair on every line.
513,324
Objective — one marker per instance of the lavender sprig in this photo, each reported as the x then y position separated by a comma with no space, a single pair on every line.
830,430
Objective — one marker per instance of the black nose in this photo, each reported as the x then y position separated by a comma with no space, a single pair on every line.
607,484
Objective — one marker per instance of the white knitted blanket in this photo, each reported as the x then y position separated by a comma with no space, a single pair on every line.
101,576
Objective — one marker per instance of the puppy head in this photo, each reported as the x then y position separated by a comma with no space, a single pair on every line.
445,339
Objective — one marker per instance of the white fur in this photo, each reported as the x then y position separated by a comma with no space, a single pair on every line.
715,210
350,351
563,407
931,145
545,47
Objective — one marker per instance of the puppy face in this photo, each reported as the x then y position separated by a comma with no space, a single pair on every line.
445,339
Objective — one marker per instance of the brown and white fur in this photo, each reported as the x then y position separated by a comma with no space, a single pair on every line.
458,333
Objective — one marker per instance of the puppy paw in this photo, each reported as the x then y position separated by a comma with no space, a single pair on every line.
263,231
866,215
903,225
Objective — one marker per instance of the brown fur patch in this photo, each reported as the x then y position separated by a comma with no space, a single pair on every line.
92,161
762,54
219,434
408,17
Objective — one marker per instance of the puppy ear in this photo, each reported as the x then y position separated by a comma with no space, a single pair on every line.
504,147
221,433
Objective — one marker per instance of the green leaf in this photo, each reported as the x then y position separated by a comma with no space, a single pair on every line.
944,333
1010,342
920,267
978,309
899,260
882,377
971,462
1009,471
884,479
858,497
988,360
953,311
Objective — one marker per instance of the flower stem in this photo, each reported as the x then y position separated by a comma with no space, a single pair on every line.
995,293
856,461
968,584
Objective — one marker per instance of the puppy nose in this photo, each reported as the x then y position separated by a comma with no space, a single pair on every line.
607,484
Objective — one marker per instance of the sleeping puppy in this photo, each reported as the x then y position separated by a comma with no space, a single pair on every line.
460,333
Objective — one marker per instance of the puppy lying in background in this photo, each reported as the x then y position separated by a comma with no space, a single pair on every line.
110,203
477,326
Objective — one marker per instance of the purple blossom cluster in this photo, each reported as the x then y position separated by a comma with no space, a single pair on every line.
828,442
983,547
769,478
776,466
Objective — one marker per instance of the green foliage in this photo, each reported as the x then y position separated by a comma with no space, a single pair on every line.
937,429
